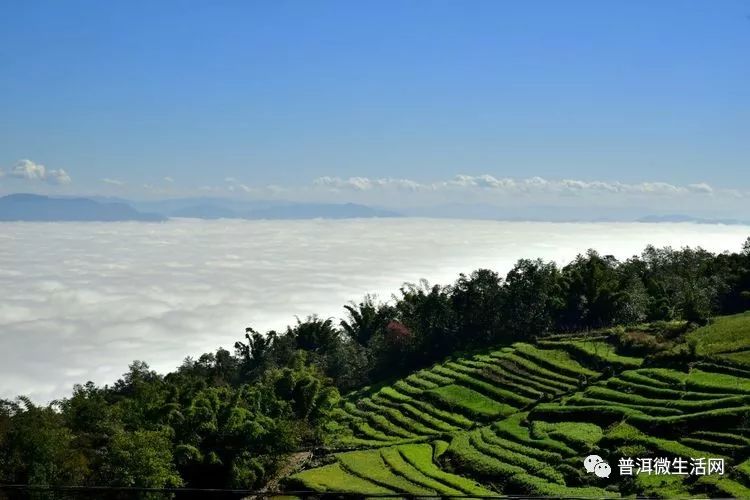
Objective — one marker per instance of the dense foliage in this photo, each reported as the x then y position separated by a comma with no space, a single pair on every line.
228,419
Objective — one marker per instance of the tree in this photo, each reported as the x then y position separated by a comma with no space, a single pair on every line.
141,459
478,302
37,448
686,283
594,296
532,298
314,334
256,353
365,319
427,313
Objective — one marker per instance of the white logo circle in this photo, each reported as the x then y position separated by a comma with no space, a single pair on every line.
591,461
602,469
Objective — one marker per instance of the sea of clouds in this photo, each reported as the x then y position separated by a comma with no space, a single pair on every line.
80,301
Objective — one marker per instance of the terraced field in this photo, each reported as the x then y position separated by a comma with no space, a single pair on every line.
520,420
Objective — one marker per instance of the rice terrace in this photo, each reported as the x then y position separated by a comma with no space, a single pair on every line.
519,420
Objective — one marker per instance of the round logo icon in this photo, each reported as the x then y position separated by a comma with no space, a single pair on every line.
602,469
591,461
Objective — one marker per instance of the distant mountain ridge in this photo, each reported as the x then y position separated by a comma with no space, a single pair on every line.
32,207
38,208
216,208
687,218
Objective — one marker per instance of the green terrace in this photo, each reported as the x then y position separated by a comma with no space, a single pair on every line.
519,420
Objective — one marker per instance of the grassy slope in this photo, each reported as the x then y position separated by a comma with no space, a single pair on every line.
724,337
520,419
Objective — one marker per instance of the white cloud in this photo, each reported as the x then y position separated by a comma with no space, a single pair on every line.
506,185
58,177
701,188
113,182
27,169
169,180
187,287
31,171
244,188
366,184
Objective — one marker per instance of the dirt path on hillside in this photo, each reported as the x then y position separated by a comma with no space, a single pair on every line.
294,462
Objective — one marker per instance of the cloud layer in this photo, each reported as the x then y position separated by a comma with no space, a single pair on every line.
81,301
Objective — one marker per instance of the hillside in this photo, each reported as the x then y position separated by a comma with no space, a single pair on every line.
36,208
519,420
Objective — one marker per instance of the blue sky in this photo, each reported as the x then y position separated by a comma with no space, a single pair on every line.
235,96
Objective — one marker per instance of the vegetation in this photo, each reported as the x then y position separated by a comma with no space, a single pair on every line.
486,385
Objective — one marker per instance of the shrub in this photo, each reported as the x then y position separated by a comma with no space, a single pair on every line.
554,359
510,457
511,428
487,389
469,401
467,457
333,478
420,457
396,462
369,465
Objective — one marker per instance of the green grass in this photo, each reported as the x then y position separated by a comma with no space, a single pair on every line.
537,467
716,382
397,418
742,357
404,387
743,470
511,428
492,378
408,410
721,486
418,381
527,484
658,392
680,404
490,437
554,359
389,428
369,465
439,448
508,359
627,435
420,457
598,352
579,435
434,377
364,429
662,486
446,416
479,464
640,377
713,447
488,389
334,478
393,394
532,385
469,401
396,463
722,335
522,368
581,399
